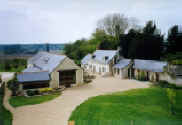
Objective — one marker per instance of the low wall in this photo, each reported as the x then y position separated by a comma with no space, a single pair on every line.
167,77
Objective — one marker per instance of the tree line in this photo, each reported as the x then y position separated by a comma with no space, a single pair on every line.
134,41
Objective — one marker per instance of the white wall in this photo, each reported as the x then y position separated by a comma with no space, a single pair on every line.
123,73
98,68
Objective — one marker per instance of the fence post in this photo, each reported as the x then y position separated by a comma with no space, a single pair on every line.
71,122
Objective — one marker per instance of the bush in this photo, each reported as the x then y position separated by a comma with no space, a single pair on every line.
32,92
165,84
13,85
176,62
2,89
45,90
171,93
0,79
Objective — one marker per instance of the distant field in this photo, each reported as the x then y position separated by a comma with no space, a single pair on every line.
27,49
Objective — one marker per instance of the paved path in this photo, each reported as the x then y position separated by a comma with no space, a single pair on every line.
6,100
6,76
57,111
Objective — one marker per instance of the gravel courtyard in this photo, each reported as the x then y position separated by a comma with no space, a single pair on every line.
57,112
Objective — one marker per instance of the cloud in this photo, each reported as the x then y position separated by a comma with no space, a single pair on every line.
64,21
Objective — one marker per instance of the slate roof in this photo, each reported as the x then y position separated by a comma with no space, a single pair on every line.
150,65
31,69
33,76
122,63
86,59
46,61
101,54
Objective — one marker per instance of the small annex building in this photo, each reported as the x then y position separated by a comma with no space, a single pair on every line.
122,69
50,70
148,69
100,62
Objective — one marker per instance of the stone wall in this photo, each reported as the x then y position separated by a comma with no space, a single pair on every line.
67,64
122,73
171,79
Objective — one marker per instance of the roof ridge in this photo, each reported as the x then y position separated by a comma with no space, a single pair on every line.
32,72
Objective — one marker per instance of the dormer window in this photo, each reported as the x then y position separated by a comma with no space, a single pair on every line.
46,59
106,57
93,56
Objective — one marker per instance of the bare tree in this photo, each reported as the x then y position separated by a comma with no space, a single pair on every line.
115,24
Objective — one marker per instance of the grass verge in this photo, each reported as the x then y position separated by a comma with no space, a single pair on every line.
5,116
22,101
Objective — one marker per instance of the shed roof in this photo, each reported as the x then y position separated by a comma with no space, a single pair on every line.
122,63
33,76
46,61
101,54
150,65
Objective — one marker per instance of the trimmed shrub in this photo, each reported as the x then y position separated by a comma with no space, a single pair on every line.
32,92
165,84
45,90
13,86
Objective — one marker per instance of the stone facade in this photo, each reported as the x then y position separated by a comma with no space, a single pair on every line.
66,64
121,73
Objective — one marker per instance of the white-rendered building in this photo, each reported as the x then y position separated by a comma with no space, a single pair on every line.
100,62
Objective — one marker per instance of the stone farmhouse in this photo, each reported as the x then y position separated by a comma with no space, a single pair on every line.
109,62
100,62
50,70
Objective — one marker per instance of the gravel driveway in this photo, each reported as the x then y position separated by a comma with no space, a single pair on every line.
57,111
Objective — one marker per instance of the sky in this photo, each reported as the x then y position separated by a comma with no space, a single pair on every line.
63,21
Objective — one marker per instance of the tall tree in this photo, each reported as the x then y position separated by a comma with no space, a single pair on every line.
174,39
142,45
112,22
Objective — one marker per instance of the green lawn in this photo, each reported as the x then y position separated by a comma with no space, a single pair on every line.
141,106
21,100
5,116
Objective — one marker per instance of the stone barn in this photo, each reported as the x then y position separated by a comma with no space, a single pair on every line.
148,69
50,70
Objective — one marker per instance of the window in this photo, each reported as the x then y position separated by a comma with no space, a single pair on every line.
118,71
103,69
115,70
90,66
106,57
99,69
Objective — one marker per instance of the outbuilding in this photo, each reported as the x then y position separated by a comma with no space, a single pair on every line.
56,70
122,68
148,69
